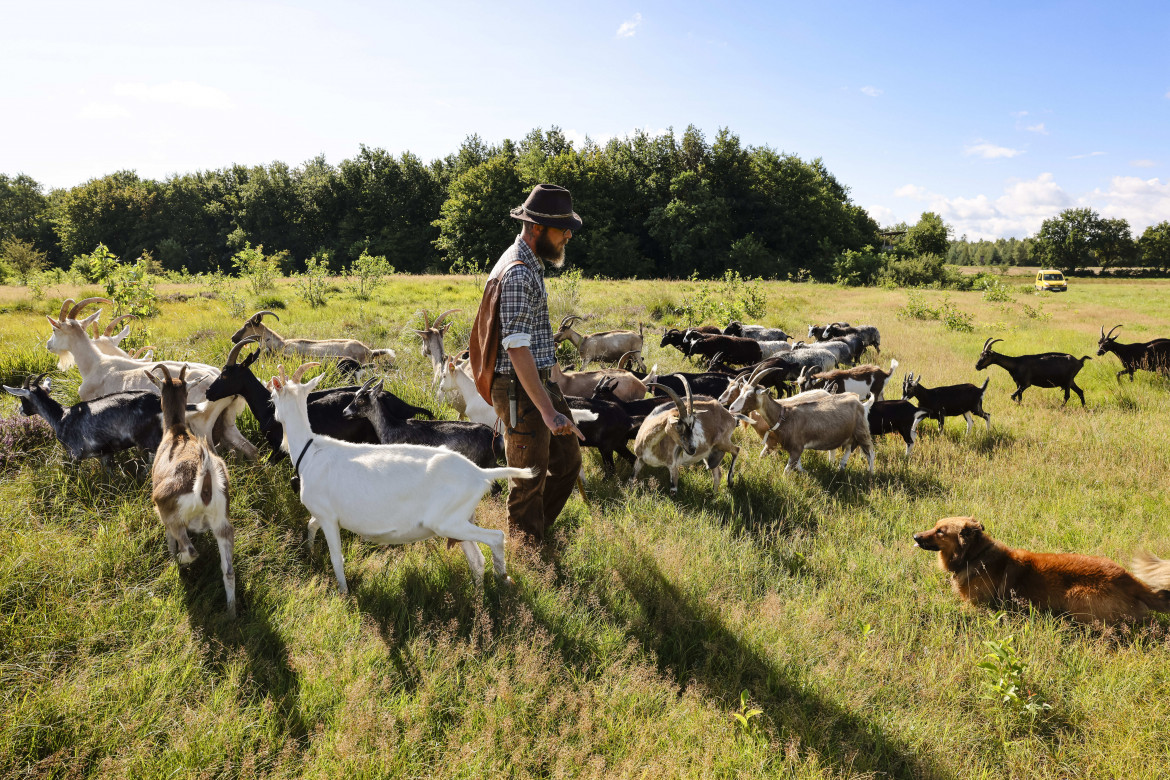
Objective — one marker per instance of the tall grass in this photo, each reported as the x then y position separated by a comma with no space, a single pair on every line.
629,651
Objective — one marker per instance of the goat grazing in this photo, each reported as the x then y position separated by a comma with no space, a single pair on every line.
316,348
432,341
103,374
471,440
862,380
680,339
386,493
870,336
582,383
90,429
607,345
325,406
699,430
757,332
190,483
1046,369
735,350
948,401
815,420
1146,356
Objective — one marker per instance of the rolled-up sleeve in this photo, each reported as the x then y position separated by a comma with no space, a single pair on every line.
519,305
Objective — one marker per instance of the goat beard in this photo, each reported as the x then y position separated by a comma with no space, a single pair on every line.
546,251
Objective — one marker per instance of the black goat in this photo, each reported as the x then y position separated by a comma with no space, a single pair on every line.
679,338
1046,369
948,401
610,429
1147,356
869,335
108,424
757,332
474,441
739,351
896,417
710,383
325,406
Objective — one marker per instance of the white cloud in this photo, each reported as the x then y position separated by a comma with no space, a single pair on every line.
1037,129
1143,202
912,191
628,27
989,151
1083,156
1025,203
872,91
1144,163
1018,114
188,94
103,112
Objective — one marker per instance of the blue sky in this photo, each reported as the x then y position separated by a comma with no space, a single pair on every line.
996,115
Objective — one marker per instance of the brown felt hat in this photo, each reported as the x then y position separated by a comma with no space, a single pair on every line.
549,205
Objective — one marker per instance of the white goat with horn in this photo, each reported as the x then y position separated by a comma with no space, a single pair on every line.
432,341
386,493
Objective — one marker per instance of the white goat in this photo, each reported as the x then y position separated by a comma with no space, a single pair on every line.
103,374
458,387
432,342
190,483
386,493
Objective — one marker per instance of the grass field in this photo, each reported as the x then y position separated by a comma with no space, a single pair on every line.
784,628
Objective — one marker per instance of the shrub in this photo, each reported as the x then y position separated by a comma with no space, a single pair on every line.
21,437
22,258
369,270
731,298
313,283
259,269
995,290
857,268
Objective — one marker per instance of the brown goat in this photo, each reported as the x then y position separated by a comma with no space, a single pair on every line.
190,483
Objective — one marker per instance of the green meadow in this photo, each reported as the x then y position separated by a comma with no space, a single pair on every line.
786,627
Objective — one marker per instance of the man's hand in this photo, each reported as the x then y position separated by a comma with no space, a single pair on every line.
560,424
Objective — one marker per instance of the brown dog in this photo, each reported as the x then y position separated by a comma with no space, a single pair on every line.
1086,587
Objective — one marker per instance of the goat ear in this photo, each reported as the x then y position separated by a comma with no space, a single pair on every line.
275,384
56,325
154,380
18,391
248,361
312,383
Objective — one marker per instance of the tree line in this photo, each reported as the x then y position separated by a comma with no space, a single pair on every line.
654,206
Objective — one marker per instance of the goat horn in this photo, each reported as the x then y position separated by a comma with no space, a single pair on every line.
258,316
367,385
234,352
690,398
566,322
94,328
627,358
65,304
183,373
77,307
1111,332
439,319
296,377
283,376
142,351
114,322
766,373
426,315
682,411
166,373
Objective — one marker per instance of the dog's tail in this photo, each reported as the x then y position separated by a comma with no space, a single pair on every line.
1154,574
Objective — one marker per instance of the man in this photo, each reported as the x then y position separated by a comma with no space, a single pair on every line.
538,425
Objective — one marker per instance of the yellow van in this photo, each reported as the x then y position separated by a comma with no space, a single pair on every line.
1051,279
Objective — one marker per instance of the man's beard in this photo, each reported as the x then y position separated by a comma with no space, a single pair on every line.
548,252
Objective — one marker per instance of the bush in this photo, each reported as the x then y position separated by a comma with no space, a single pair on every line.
369,270
858,268
732,298
259,269
313,283
22,258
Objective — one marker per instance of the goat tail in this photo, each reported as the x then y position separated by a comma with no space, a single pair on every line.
383,354
1154,573
492,475
986,382
204,485
1085,357
893,367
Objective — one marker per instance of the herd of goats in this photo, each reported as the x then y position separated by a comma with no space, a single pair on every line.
358,450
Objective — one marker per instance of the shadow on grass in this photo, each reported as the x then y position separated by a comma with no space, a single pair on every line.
268,674
691,644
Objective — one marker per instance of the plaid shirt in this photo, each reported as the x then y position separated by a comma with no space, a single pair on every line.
523,308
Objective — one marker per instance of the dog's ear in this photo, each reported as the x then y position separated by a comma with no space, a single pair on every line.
970,532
